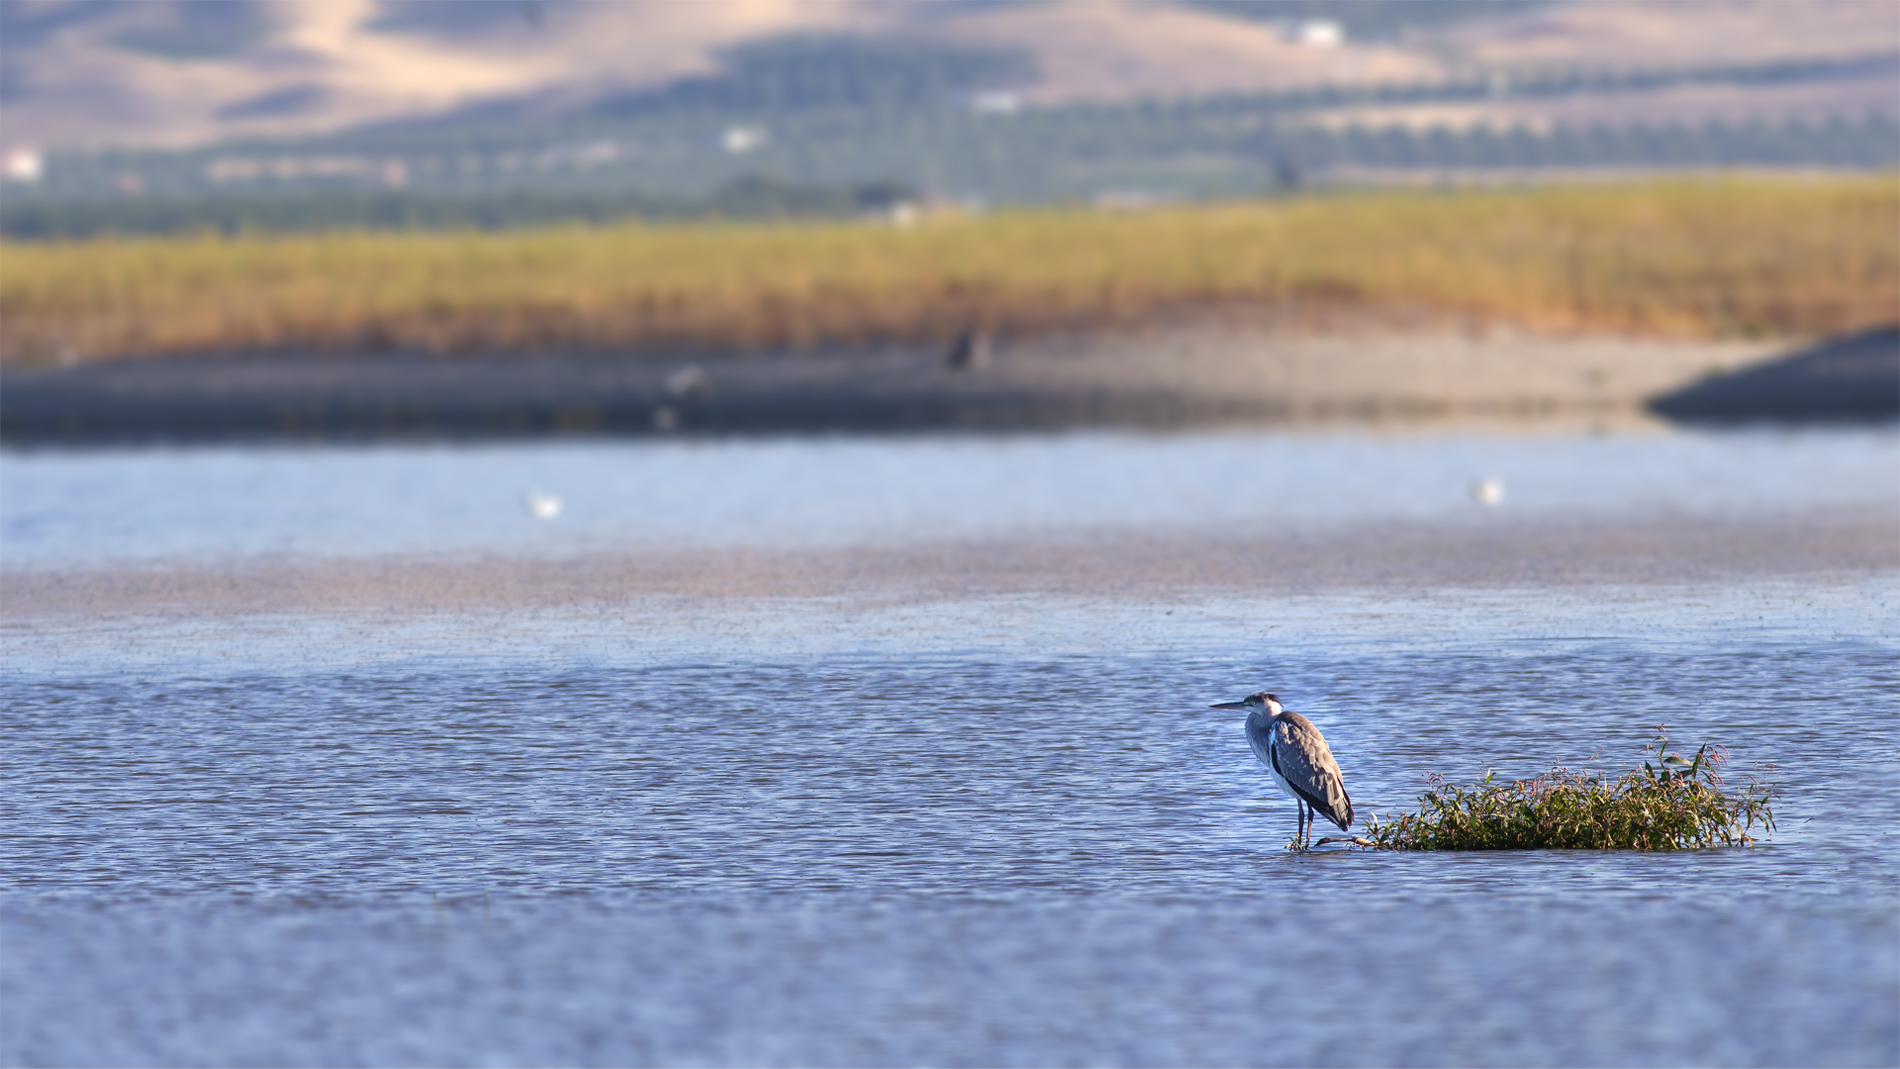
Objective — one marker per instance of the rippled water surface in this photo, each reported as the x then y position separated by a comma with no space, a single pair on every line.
995,830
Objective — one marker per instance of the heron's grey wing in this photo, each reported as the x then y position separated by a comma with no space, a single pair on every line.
1303,759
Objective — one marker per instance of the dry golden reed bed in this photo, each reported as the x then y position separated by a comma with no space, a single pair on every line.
1689,258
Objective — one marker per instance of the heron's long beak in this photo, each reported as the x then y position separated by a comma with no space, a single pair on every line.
1229,705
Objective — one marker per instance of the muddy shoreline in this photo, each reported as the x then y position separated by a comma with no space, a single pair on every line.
1842,544
1161,376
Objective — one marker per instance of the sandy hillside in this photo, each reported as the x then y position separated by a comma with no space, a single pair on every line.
85,73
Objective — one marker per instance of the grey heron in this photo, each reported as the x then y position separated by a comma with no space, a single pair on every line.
1298,759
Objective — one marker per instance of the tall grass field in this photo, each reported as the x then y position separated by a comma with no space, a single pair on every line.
1688,258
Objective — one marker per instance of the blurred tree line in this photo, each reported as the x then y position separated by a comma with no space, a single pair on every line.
809,126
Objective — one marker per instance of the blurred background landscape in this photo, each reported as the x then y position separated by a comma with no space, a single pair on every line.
861,188
705,533
184,116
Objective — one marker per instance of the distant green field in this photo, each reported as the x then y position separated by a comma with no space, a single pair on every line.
1709,258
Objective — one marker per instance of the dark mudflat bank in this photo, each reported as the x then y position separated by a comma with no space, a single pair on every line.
1855,377
398,395
1161,377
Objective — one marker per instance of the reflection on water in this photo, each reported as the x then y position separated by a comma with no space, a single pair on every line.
997,830
75,509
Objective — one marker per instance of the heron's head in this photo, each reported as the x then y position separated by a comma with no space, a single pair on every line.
1261,703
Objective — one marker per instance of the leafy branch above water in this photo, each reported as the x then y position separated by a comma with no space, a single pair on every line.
1677,803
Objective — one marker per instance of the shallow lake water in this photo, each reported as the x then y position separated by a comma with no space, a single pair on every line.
65,509
988,829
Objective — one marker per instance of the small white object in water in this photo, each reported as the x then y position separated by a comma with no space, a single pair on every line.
1487,491
542,506
689,381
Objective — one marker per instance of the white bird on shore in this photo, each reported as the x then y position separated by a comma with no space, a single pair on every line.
1488,491
689,381
542,506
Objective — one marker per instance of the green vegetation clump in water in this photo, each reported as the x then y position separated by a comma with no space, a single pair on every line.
1677,803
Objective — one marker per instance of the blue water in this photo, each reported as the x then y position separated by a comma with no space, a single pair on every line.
954,830
85,508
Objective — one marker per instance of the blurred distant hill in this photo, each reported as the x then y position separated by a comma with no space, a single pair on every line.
182,114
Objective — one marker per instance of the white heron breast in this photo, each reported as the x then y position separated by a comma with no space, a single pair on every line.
1261,740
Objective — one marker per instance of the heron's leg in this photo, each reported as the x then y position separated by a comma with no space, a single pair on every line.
1300,839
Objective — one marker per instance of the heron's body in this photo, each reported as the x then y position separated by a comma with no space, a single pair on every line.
1297,759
